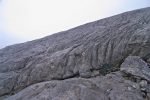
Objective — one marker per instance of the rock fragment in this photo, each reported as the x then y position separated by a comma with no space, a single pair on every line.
135,66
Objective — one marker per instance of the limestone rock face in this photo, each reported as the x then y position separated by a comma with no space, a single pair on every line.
137,67
98,88
81,62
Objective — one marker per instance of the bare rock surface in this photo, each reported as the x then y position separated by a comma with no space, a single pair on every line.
78,55
111,87
136,66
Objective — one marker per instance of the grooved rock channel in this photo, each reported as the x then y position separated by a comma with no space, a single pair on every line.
108,59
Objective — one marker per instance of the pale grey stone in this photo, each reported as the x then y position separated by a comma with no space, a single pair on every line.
94,49
135,66
110,87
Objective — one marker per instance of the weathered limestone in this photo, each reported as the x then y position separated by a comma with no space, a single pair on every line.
91,50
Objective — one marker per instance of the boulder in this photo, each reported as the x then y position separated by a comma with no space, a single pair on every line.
135,66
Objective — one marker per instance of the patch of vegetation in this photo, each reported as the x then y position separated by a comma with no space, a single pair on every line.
106,69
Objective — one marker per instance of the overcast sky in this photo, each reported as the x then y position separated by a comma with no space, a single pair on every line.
24,20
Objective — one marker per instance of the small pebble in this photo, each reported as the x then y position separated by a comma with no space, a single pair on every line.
148,95
148,60
129,88
143,83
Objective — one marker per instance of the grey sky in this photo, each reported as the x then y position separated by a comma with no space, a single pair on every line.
24,20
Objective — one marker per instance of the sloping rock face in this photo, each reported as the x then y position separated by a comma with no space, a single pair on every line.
97,88
82,63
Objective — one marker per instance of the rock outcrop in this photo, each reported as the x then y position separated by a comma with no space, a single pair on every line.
103,60
111,87
137,67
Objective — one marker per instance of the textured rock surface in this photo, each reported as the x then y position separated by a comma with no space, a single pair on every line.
87,51
99,88
135,66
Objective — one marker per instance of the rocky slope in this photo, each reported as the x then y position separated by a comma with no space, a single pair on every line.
104,60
